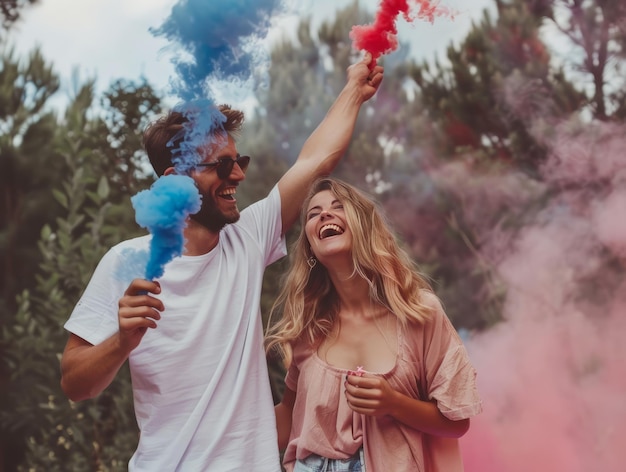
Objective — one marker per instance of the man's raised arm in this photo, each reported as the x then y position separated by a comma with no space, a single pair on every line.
328,143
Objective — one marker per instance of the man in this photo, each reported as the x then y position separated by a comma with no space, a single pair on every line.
193,337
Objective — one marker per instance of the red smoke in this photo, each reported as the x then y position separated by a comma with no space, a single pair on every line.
381,37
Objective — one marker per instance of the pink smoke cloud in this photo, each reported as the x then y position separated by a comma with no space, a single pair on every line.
552,374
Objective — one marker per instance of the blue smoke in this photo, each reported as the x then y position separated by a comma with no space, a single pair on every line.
216,37
204,120
134,267
217,42
163,210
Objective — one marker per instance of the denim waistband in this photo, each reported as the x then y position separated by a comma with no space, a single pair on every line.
315,463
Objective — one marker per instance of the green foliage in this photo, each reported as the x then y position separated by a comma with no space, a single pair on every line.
29,168
60,435
128,107
66,192
497,80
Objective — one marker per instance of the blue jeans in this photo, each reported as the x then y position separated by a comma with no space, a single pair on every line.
315,463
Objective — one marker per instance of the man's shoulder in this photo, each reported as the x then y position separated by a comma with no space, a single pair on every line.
272,198
261,209
139,242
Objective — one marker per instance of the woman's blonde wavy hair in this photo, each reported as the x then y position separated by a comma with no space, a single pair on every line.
308,300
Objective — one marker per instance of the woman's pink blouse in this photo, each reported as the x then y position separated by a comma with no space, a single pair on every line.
432,364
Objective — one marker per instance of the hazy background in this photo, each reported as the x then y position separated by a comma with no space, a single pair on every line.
495,146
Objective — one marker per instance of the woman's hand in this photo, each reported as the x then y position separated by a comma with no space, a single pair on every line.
370,395
373,396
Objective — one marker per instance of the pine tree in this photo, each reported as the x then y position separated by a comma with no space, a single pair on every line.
29,167
495,82
596,34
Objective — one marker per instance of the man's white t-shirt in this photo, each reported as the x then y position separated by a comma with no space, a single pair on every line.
200,381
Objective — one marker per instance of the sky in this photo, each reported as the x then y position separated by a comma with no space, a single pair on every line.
111,39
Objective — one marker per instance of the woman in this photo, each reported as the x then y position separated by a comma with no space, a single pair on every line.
378,378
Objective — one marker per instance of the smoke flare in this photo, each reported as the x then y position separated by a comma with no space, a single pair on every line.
381,37
163,210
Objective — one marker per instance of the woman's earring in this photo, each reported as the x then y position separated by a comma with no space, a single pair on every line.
311,261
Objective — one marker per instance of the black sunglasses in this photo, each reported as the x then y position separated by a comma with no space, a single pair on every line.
224,165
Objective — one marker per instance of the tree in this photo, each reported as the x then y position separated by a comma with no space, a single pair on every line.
30,167
486,98
58,434
90,160
10,10
596,30
127,108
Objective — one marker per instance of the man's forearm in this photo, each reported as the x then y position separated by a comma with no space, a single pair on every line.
331,138
86,370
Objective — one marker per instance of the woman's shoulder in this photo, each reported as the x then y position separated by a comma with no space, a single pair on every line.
435,323
430,300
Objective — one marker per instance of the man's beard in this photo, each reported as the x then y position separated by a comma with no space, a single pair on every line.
211,217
